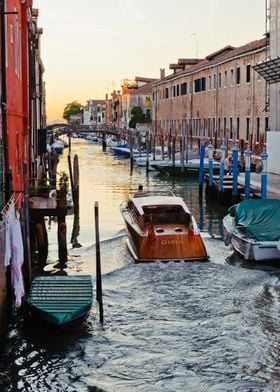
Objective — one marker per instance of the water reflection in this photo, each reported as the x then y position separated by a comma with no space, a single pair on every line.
168,326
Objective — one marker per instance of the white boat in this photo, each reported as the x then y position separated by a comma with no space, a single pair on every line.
110,142
161,227
190,167
58,146
252,227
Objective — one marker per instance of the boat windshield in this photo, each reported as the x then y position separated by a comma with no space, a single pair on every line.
172,214
153,193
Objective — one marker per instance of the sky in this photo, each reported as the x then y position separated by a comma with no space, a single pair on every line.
89,47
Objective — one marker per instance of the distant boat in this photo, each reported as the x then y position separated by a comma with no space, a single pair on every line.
189,168
121,149
63,301
92,138
58,146
161,227
252,227
110,142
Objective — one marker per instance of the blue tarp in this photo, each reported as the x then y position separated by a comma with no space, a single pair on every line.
258,219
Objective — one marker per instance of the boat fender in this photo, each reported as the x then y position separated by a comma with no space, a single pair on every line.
227,238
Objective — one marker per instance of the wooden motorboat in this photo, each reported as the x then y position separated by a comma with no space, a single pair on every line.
62,301
252,227
161,227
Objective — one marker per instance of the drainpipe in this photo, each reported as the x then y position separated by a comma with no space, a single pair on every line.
4,150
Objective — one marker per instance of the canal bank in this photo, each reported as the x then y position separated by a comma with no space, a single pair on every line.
273,184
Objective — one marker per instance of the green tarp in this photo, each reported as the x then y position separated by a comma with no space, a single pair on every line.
258,219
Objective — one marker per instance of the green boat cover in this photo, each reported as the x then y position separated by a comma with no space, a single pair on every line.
61,299
258,219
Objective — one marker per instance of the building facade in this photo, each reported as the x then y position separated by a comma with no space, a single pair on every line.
22,112
220,97
94,112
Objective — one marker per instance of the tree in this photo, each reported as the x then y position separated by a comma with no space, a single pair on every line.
137,116
72,108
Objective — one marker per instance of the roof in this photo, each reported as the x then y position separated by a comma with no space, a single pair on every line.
219,56
143,90
158,200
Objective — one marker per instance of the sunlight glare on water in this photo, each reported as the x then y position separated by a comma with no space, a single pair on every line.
200,326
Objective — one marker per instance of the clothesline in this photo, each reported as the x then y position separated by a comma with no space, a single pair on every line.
14,198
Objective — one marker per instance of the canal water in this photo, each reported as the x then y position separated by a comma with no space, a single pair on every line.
187,326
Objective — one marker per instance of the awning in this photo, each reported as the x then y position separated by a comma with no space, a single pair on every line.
269,70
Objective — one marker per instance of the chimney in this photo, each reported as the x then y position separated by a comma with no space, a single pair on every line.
162,73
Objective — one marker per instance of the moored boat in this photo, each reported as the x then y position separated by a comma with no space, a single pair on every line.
58,146
161,227
190,168
61,301
252,227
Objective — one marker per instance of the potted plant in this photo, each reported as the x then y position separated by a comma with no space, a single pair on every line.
42,189
63,187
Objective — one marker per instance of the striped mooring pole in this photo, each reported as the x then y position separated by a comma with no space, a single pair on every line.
248,154
264,157
235,172
210,163
222,168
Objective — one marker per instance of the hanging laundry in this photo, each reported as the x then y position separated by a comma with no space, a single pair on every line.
8,220
17,261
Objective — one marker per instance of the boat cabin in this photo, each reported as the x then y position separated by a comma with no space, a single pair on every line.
158,208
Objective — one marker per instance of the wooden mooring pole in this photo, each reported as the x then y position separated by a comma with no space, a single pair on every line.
98,264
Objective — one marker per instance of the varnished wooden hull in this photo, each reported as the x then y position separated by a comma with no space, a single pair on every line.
166,245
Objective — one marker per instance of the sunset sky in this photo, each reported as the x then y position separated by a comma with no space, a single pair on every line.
88,47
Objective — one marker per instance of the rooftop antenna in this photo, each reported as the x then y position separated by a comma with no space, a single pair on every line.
195,37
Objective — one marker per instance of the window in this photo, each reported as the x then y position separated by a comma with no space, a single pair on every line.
225,81
178,91
247,128
237,128
213,127
266,124
219,80
231,77
215,81
174,91
199,85
184,88
219,128
166,92
208,127
258,130
209,82
230,128
11,34
248,73
225,127
238,75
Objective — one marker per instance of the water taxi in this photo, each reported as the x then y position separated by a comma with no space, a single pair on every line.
161,227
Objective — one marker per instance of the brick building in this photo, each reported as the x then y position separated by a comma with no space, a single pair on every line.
219,97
